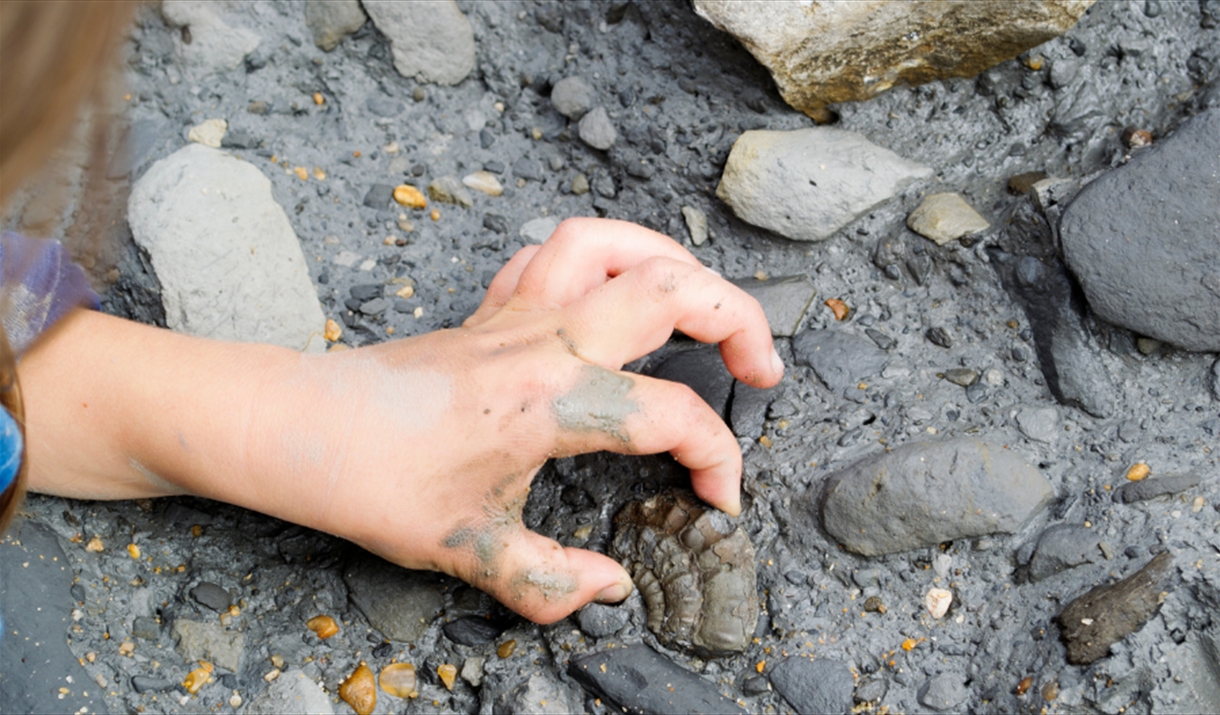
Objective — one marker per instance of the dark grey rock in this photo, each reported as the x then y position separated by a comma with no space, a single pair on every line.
366,291
748,410
527,168
883,341
925,493
1155,487
538,694
840,359
146,628
384,106
572,97
1107,614
939,336
332,20
212,596
872,690
77,592
702,369
639,680
816,685
376,306
603,184
944,692
599,620
150,684
398,602
756,685
597,130
784,299
379,196
473,630
961,376
1062,547
1142,239
496,223
239,140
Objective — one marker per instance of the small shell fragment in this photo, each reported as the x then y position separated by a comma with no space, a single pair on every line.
94,545
323,626
398,679
1138,472
448,673
937,601
360,690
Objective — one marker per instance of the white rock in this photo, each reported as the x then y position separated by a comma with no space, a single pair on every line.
228,261
696,223
945,217
432,40
215,45
597,131
808,183
292,692
572,97
539,230
208,133
332,20
937,601
484,181
472,671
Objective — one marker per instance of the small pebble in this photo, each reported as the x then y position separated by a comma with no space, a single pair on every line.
94,545
448,673
198,677
483,181
410,196
272,674
319,174
507,648
435,215
939,336
209,133
1135,138
323,626
937,602
838,307
580,184
405,292
873,604
278,661
1197,505
235,700
962,376
318,98
398,679
133,551
1138,472
1050,691
333,332
696,223
1024,685
360,690
127,648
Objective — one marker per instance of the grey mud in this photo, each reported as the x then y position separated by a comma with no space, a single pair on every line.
597,403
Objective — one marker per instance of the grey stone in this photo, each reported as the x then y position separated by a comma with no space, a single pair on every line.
580,184
946,691
1195,664
540,694
214,45
696,223
784,299
384,106
964,377
945,217
376,306
292,692
1062,547
1214,380
1142,239
432,42
817,685
473,630
1105,615
398,602
1156,487
212,596
871,690
599,620
150,684
472,671
332,20
639,680
538,230
210,642
450,190
806,184
939,336
925,493
229,263
597,131
146,628
1040,424
572,97
702,369
840,359
748,410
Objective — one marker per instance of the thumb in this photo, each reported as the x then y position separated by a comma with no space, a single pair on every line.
544,581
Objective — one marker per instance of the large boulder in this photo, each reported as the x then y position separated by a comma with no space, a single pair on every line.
808,183
229,263
824,52
1144,239
432,40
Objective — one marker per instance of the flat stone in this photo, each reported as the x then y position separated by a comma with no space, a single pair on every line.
473,630
599,620
538,230
215,45
1156,487
817,685
1105,615
784,299
229,264
332,20
840,359
210,642
597,131
540,694
696,224
150,684
146,628
397,602
212,596
210,132
944,692
376,306
1063,547
824,53
528,169
431,42
961,376
806,184
366,291
447,189
639,680
1040,424
748,409
292,692
572,97
946,217
379,196
484,182
702,369
924,493
1142,239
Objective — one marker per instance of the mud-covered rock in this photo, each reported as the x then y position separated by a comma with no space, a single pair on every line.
925,493
1061,547
332,20
639,680
292,692
539,693
840,359
784,299
695,570
817,685
398,602
210,642
1156,487
1107,614
431,42
944,692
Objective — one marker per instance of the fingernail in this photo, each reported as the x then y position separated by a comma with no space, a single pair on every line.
613,593
734,507
777,365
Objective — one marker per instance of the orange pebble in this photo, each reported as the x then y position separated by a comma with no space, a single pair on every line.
319,174
839,308
1138,471
301,173
318,98
435,215
448,673
323,626
198,677
332,333
760,665
506,648
410,196
360,690
398,679
1024,685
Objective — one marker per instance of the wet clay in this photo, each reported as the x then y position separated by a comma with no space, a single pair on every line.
598,403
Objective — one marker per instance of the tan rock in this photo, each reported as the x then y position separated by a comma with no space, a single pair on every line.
484,181
945,217
208,133
822,52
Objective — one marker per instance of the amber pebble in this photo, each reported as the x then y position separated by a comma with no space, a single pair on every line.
133,550
301,173
324,626
398,679
1024,685
1050,691
333,332
506,648
360,690
435,215
410,196
1138,471
94,545
909,644
198,678
318,98
1135,138
839,307
448,673
319,174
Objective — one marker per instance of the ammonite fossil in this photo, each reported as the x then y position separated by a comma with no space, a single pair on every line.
695,570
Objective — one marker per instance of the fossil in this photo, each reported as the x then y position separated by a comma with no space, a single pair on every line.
695,570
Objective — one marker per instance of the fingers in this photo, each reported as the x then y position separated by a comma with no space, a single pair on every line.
584,253
637,312
502,286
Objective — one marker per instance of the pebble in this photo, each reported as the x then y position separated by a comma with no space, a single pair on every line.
506,649
399,603
946,691
961,376
496,223
447,189
360,690
572,97
377,306
332,331
946,217
1138,472
1040,424
527,168
840,359
580,184
292,692
384,106
924,493
696,224
939,336
208,133
1105,615
838,308
448,674
332,20
146,628
198,678
701,369
150,684
539,694
406,195
398,679
539,230
817,685
484,181
473,630
1022,183
212,596
431,42
937,602
472,671
1062,547
1153,488
597,131
379,196
323,626
874,604
638,679
599,620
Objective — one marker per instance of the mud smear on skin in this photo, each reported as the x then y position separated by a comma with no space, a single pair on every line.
598,403
487,541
